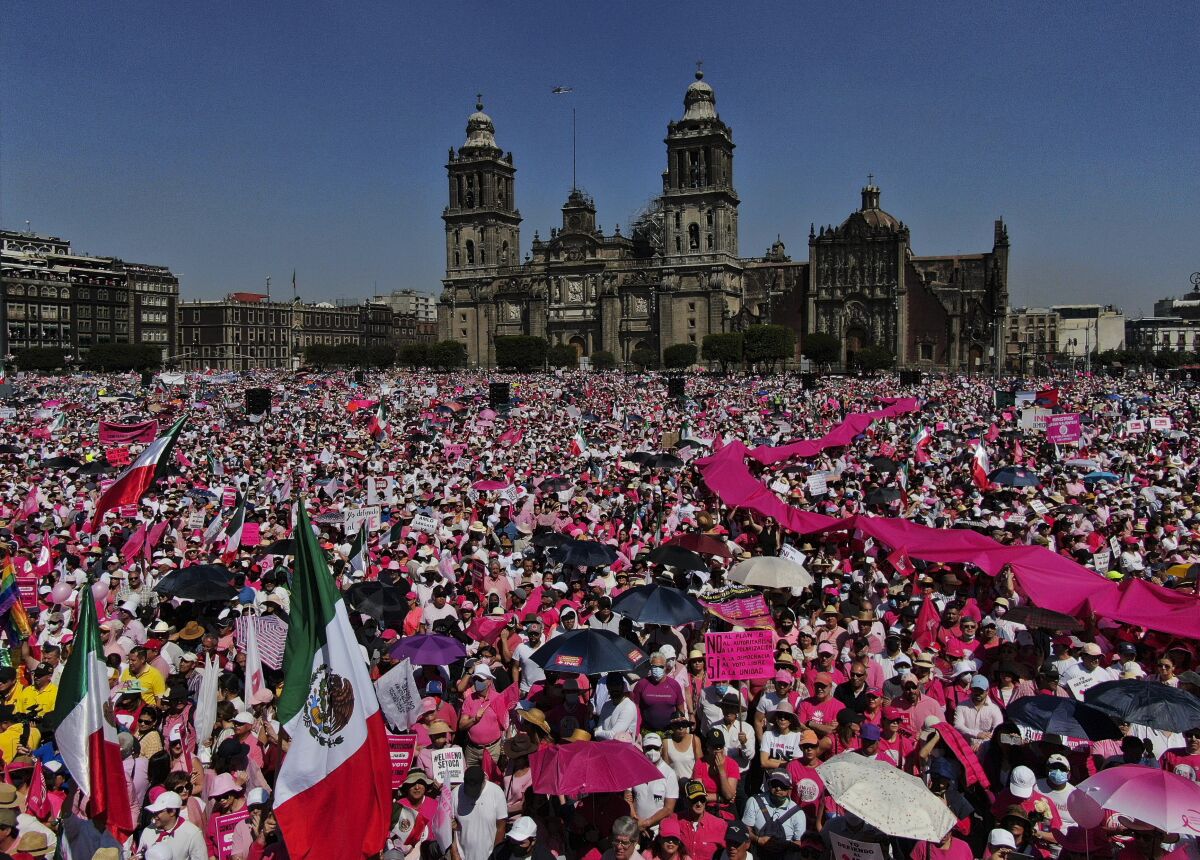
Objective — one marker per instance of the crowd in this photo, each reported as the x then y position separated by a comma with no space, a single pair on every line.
899,691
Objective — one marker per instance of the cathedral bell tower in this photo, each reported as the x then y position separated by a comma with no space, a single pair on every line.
483,225
699,204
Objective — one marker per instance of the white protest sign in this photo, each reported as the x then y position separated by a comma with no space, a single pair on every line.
781,486
1082,682
1100,560
817,485
1039,507
510,494
852,849
354,518
448,765
1162,423
1135,426
792,554
462,464
399,697
1115,546
196,520
381,489
425,524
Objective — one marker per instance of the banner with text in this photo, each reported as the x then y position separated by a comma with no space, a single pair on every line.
739,656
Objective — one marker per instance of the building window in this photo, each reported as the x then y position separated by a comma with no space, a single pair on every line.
691,323
470,253
694,236
927,352
692,307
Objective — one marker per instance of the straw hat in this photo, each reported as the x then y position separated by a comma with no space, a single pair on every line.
535,717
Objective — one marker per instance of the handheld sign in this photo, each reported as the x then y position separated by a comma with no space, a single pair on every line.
739,656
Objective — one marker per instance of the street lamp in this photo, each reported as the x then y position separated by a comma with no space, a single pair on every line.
1071,344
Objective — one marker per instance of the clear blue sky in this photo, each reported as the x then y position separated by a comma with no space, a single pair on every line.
233,140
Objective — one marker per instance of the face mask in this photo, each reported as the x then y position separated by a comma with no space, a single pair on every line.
722,689
658,672
1057,778
654,754
777,799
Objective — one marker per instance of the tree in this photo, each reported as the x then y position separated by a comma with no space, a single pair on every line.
645,358
821,348
768,344
448,354
377,355
562,355
603,360
40,358
723,348
874,357
123,357
322,355
679,355
413,354
521,352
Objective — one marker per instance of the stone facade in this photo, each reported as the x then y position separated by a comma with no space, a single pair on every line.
675,275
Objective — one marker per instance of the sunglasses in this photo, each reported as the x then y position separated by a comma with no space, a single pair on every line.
858,674
808,746
910,686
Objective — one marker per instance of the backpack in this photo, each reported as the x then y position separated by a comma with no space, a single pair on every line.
773,829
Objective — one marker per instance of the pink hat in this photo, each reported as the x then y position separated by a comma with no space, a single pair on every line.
224,784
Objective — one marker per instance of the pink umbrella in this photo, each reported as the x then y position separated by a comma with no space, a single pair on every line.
489,485
487,414
1164,800
587,767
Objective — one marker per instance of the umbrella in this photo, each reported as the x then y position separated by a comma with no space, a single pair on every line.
1155,705
1071,509
199,582
584,553
1164,800
384,603
286,546
429,649
770,572
638,457
1184,571
550,539
60,463
691,442
202,495
331,518
658,604
1044,619
703,544
591,417
590,767
883,495
1062,716
1083,463
1096,477
10,449
418,436
555,484
589,651
96,467
662,461
488,485
1014,476
882,464
677,556
886,797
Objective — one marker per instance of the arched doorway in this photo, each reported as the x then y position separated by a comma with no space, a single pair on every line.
975,359
855,340
580,346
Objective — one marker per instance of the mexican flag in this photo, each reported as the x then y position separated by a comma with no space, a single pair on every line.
58,422
135,481
86,730
980,466
333,795
358,551
578,445
379,421
233,531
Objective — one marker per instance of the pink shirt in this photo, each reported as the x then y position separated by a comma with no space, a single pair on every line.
492,711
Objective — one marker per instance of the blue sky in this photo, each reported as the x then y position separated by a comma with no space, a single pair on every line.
232,141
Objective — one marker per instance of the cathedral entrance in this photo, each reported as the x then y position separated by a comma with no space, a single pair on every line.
975,359
855,340
580,346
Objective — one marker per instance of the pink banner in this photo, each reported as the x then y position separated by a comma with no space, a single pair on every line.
739,656
740,605
146,431
1063,428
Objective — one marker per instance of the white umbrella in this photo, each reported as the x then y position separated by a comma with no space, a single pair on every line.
768,571
886,797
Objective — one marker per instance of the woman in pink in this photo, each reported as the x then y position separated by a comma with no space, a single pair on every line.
950,848
517,779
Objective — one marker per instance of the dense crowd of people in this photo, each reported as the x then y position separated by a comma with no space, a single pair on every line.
916,666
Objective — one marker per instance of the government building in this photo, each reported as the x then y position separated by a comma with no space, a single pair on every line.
676,274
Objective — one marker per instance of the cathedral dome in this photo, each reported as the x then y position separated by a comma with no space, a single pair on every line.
872,214
700,102
480,130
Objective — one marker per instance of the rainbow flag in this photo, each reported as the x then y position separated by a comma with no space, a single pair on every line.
12,611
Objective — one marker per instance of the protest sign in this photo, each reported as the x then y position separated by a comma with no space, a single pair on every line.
381,489
1063,428
399,696
818,485
1135,426
1161,423
790,553
251,534
781,486
739,656
224,825
1115,546
118,455
422,523
741,605
354,518
510,494
1083,682
851,849
1039,507
228,497
447,765
196,520
400,754
1100,561
1034,418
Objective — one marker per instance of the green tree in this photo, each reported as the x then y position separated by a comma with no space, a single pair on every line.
644,358
768,344
40,358
123,357
413,354
821,348
679,355
521,352
603,360
377,355
723,348
873,358
448,354
562,355
322,355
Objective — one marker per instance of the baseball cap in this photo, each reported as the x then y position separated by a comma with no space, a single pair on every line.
482,670
245,718
1092,649
893,714
780,777
166,800
1001,838
869,732
808,736
826,648
523,828
823,678
694,789
258,797
979,682
652,740
1058,759
783,676
1021,782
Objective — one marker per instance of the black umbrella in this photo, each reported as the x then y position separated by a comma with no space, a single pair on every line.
1061,716
11,449
690,443
662,461
97,467
883,496
1015,476
638,457
589,651
591,417
60,463
200,582
1044,619
1155,705
584,553
419,437
677,556
883,464
555,485
658,604
385,603
286,546
550,539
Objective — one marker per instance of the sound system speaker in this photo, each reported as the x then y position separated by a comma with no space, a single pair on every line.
808,381
147,378
258,400
676,386
359,377
910,377
499,394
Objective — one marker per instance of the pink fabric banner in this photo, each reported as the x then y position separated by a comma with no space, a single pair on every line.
843,434
146,431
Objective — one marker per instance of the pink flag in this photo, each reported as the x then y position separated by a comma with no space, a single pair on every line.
993,433
37,801
928,621
134,545
155,535
29,507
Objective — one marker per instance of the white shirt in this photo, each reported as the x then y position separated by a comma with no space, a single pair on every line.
617,720
186,841
477,820
531,672
650,797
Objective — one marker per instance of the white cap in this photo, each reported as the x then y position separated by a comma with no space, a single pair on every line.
963,667
1001,838
668,652
1021,782
245,718
166,800
482,670
258,797
523,828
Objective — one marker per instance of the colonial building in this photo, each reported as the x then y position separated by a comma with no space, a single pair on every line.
676,274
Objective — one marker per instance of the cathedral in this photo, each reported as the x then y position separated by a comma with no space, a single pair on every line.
675,276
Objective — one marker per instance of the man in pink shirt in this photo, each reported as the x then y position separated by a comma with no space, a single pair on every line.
819,712
484,716
915,705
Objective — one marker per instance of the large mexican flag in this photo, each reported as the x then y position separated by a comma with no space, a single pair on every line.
86,727
333,795
137,480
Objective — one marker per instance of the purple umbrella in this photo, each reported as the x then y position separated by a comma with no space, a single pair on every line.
429,649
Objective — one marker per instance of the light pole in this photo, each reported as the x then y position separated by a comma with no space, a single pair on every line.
1071,344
